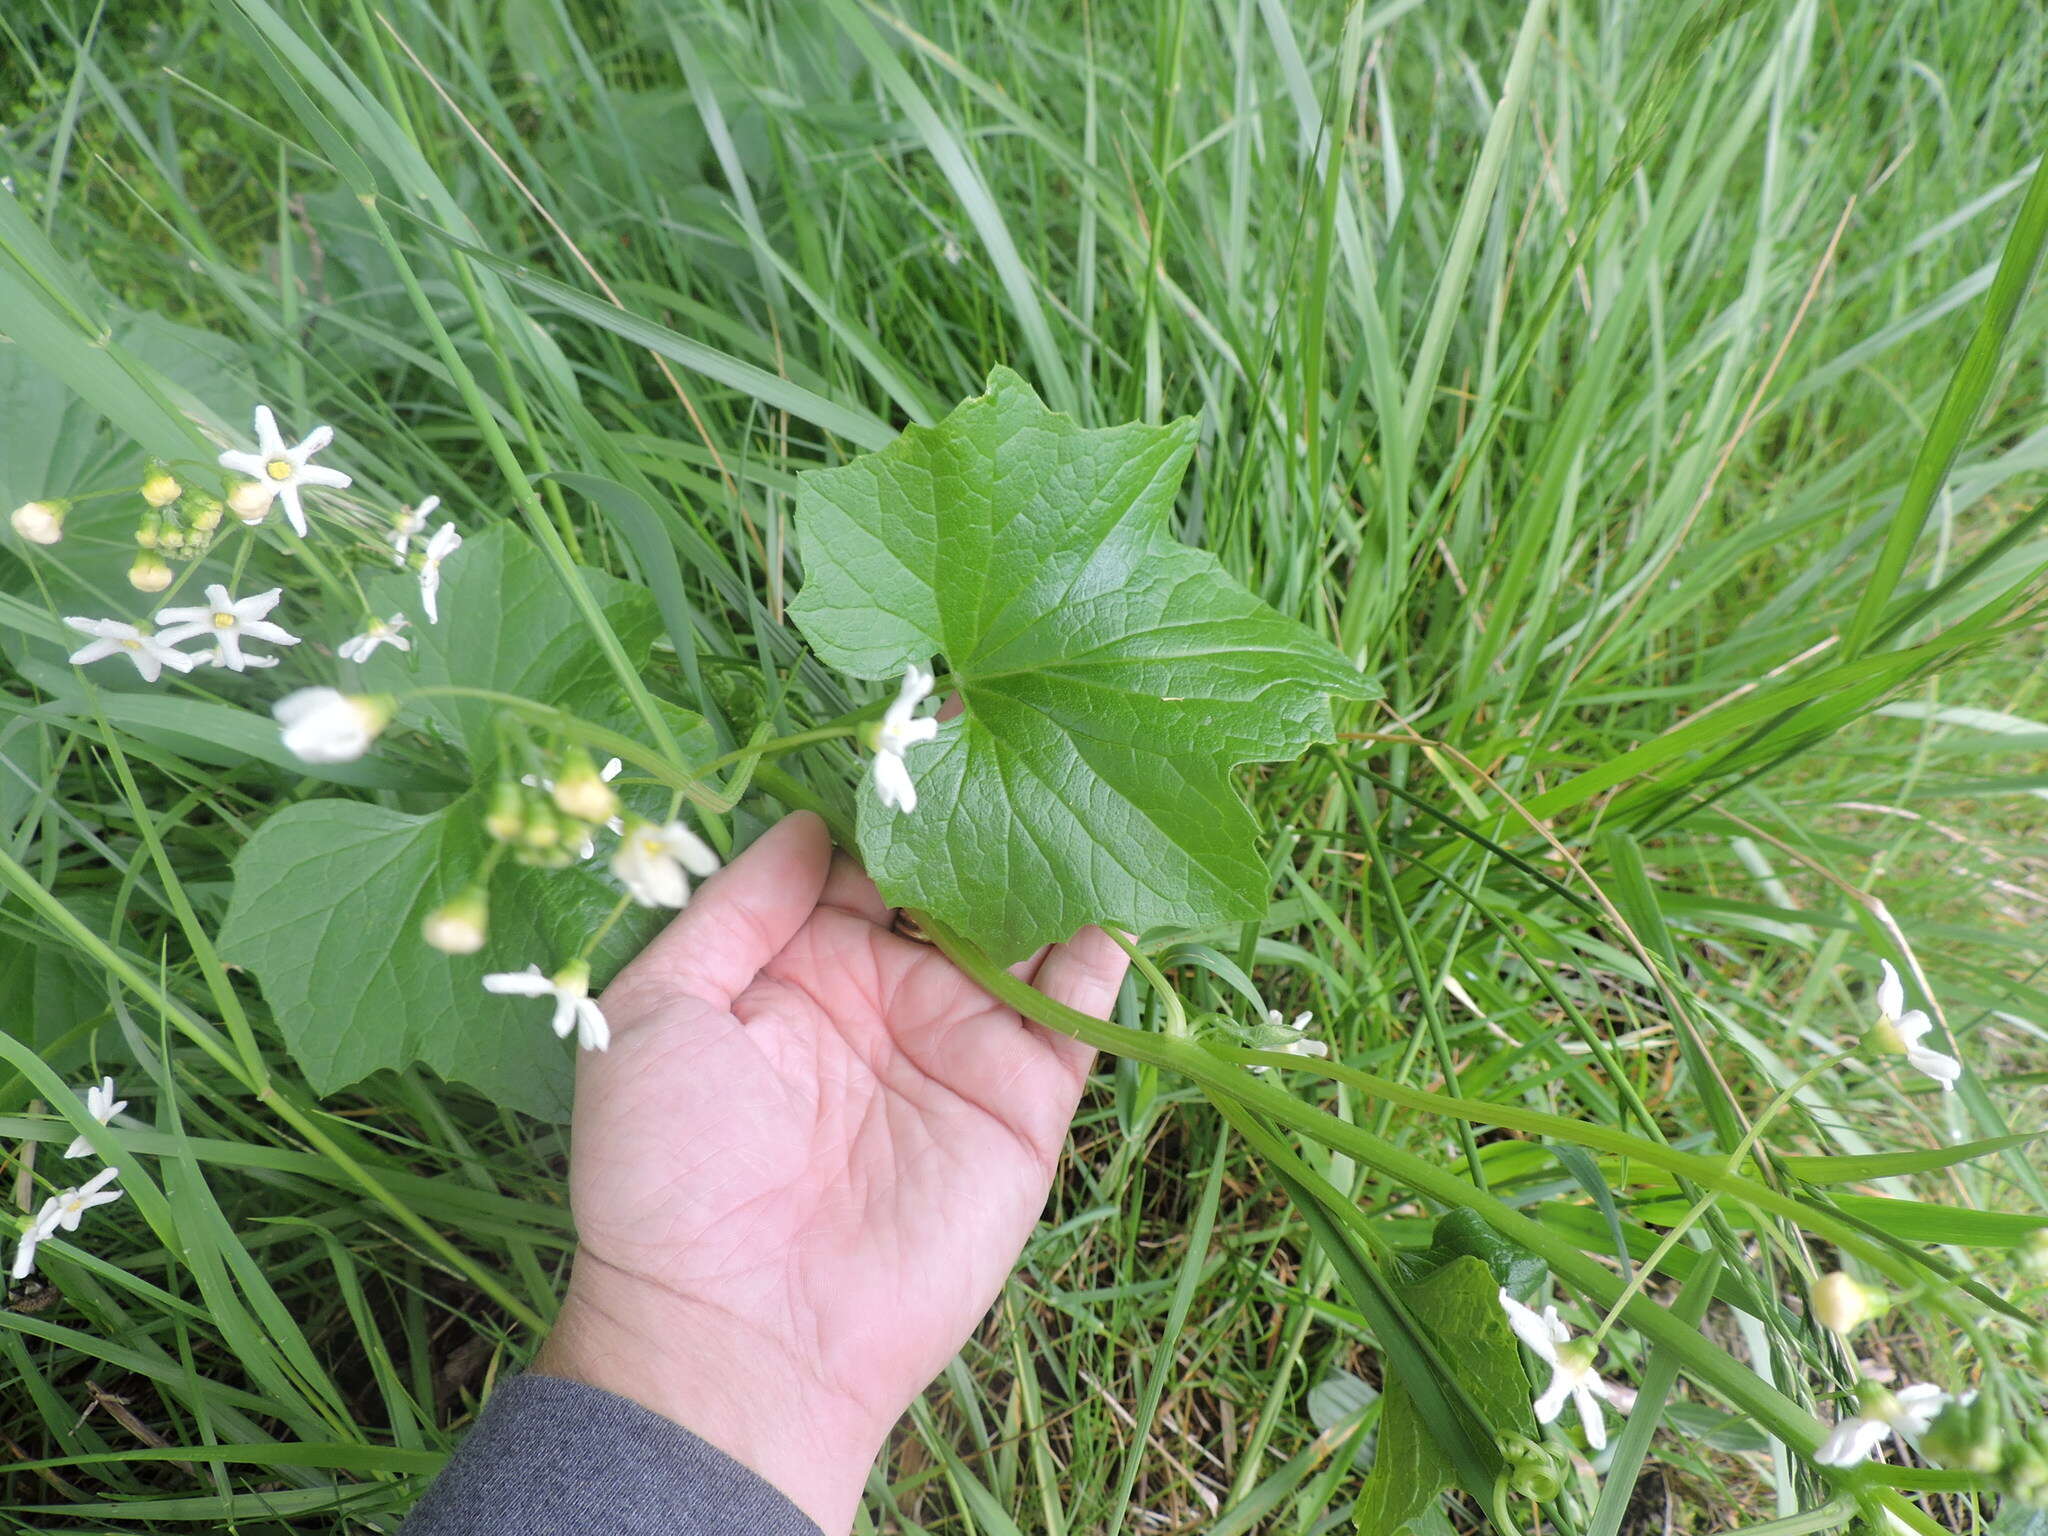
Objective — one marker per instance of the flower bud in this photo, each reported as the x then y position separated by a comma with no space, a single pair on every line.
2023,1472
1966,1435
458,925
149,530
250,501
581,792
41,522
149,573
202,512
159,489
505,817
543,827
1533,1471
1843,1304
324,725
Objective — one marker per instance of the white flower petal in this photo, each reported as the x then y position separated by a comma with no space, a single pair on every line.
1945,1070
893,786
1851,1442
1590,1414
527,983
1918,1406
1891,994
1551,1403
1533,1330
593,1033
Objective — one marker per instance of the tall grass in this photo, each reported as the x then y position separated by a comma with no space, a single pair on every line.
1589,371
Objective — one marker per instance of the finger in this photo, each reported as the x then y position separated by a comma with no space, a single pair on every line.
849,889
1084,973
740,919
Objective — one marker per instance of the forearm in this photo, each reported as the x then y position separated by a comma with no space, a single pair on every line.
554,1457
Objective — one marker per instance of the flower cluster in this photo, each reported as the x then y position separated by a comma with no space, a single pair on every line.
180,522
63,1211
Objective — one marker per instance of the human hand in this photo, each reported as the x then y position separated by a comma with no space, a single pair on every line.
804,1168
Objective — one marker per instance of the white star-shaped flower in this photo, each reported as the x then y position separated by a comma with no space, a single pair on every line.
101,1104
1908,1411
899,731
1571,1369
114,637
650,862
443,544
228,621
409,524
61,1213
1899,1032
360,648
570,988
281,468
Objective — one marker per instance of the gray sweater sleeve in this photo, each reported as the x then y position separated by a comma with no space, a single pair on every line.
556,1458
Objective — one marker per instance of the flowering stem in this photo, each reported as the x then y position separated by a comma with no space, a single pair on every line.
690,782
597,935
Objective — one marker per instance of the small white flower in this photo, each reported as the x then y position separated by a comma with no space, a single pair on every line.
443,544
1908,1411
570,988
650,862
228,621
360,648
282,469
899,731
101,1104
113,637
325,725
408,524
1899,1031
61,1213
1571,1369
952,252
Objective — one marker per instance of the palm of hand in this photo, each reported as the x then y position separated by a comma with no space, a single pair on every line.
816,1134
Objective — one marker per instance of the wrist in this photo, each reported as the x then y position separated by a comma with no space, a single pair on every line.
728,1382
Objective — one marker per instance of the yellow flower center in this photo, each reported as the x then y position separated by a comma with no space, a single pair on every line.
650,845
278,469
131,645
223,621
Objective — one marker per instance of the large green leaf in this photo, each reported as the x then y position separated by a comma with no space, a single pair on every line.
328,898
1112,677
1460,1306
